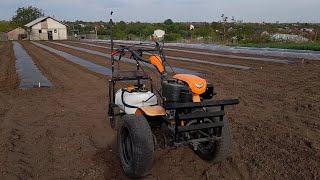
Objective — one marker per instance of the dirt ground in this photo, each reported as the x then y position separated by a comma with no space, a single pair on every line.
63,132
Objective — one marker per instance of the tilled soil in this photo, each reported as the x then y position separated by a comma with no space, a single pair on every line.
56,133
8,77
63,132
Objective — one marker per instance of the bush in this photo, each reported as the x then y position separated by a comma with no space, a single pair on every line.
172,37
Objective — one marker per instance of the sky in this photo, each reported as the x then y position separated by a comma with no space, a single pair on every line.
177,10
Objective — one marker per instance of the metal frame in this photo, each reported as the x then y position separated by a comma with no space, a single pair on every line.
117,76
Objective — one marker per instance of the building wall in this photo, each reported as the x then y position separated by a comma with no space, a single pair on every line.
14,34
59,31
36,35
53,24
61,34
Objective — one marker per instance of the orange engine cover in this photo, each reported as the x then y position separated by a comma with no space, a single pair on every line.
197,85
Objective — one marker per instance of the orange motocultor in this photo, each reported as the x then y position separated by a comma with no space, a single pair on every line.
197,85
157,61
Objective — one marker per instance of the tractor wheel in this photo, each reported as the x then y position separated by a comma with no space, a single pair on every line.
219,150
136,146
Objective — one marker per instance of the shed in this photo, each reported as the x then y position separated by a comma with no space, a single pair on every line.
47,28
17,34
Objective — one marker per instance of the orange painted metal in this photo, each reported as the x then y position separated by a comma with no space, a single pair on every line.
151,111
196,98
130,88
197,84
157,61
139,112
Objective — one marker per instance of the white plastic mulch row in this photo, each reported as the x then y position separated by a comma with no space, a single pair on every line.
169,69
286,53
184,59
84,63
271,60
29,75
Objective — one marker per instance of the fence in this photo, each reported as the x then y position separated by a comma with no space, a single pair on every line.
82,36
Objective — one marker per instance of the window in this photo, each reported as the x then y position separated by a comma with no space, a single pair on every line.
55,31
40,31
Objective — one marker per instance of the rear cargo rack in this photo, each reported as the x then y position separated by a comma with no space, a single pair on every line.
199,115
129,75
200,126
189,105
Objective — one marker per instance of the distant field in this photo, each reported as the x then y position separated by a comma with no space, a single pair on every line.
300,46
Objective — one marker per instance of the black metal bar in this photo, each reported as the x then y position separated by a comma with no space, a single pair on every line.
129,74
112,44
151,85
221,117
199,115
200,126
169,106
146,50
129,79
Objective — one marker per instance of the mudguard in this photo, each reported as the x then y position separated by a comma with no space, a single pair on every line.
151,111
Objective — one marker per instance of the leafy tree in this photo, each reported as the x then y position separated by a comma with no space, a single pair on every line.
172,37
25,15
148,31
186,34
168,22
103,32
216,26
122,25
203,31
135,30
4,26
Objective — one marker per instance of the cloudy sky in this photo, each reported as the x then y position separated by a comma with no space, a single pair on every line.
177,10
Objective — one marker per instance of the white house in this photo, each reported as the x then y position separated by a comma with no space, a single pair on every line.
47,28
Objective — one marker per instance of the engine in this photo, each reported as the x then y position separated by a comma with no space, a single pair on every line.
176,91
179,91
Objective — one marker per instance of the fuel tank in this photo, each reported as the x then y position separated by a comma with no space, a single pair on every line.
130,101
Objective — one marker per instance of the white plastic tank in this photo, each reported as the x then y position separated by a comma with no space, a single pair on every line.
137,99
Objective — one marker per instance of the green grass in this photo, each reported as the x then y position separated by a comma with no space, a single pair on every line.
298,46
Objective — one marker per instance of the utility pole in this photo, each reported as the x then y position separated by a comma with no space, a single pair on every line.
111,37
111,33
72,31
96,29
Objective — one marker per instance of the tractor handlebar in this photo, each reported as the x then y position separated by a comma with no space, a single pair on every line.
157,61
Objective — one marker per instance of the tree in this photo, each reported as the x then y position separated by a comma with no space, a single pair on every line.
4,26
25,15
168,22
224,21
203,31
121,25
